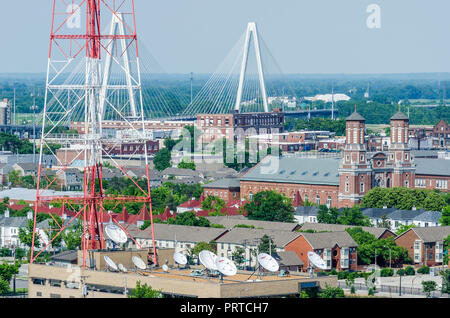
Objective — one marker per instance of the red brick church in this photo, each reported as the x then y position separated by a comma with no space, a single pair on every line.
343,182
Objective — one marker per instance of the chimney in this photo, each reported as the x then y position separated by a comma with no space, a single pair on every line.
414,208
29,215
7,213
384,207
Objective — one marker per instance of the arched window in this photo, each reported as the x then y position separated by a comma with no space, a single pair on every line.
250,195
318,200
329,202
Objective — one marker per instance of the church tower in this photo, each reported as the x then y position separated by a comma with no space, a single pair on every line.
355,172
399,154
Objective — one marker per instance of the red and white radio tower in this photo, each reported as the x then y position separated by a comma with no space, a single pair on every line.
93,75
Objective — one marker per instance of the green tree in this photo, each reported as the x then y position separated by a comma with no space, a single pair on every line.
169,143
445,281
186,165
326,215
162,159
55,225
446,249
213,204
200,246
239,255
386,250
26,235
72,235
384,222
14,178
190,219
353,216
429,287
266,245
270,206
403,228
331,292
445,217
144,291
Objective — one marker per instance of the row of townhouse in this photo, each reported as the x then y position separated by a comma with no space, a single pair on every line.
290,247
395,217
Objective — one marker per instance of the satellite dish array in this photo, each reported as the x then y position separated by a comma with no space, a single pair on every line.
207,258
227,267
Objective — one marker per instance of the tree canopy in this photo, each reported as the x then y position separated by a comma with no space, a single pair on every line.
270,206
368,245
404,199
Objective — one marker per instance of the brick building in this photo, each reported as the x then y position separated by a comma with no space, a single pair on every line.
337,249
425,245
227,189
441,135
229,126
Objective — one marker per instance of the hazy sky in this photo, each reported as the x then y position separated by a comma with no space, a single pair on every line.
304,36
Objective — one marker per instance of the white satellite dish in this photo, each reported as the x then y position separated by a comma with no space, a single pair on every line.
138,262
316,260
43,237
268,262
165,268
226,266
208,259
110,263
180,259
116,234
122,268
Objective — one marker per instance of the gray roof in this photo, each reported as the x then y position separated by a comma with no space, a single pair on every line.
296,170
66,256
436,167
109,173
45,224
307,210
329,239
431,234
428,216
180,172
424,153
224,183
355,116
376,212
14,221
230,222
30,194
245,236
181,233
28,165
376,231
288,258
399,116
405,214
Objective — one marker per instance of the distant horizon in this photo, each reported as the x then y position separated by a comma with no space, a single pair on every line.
324,37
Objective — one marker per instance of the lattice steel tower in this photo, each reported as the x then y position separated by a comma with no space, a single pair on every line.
93,76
